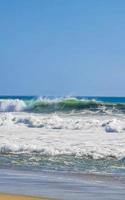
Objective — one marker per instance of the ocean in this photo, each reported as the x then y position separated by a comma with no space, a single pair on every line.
84,136
79,134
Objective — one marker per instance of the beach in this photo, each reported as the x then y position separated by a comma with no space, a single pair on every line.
19,197
60,185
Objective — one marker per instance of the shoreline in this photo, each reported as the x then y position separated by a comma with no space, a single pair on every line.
86,176
58,185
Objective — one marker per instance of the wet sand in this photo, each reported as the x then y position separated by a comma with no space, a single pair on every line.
61,186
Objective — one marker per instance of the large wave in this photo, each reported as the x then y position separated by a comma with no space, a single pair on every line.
41,105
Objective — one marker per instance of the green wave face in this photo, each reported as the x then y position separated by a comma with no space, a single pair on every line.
63,105
41,105
69,104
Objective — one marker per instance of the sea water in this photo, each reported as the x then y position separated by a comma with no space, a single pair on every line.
69,134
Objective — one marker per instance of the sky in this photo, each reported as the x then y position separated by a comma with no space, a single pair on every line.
62,47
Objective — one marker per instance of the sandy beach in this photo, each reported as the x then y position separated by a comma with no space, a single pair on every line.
20,197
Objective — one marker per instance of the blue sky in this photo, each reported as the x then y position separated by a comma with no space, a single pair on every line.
62,47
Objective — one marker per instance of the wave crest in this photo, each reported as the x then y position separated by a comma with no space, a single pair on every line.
10,105
41,105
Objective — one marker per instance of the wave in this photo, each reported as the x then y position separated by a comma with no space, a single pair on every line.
91,136
10,105
106,124
41,105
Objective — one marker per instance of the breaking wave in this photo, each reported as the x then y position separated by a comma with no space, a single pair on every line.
41,105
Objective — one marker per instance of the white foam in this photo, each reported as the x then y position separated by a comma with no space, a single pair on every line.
94,136
10,105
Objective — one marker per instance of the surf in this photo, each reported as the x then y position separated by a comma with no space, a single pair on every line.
61,104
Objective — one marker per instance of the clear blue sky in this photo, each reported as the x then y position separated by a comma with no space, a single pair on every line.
62,47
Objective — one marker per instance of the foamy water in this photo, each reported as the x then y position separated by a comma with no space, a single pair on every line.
52,134
75,139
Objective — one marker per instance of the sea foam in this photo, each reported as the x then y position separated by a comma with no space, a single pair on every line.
87,136
10,105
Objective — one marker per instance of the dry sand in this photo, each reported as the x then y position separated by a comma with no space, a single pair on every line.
20,197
